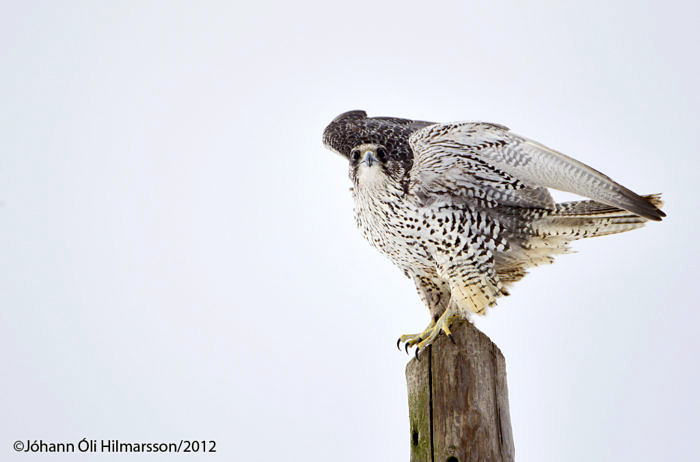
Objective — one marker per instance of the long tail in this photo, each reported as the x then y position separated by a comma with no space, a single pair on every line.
581,219
549,232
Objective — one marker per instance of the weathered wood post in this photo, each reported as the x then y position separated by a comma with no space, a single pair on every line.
458,400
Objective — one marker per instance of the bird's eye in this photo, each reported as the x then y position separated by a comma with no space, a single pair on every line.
355,155
381,154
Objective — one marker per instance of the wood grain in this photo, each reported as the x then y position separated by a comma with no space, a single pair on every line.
458,400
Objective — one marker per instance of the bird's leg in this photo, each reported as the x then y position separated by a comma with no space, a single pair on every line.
412,339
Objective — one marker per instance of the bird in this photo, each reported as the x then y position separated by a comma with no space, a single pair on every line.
464,209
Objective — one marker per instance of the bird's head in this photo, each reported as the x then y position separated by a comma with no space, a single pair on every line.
377,148
373,165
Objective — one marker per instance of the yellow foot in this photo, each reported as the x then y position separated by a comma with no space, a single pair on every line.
428,336
413,339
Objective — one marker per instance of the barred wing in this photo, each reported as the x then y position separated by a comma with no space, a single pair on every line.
473,159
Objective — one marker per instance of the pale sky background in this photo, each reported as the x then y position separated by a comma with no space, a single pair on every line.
178,253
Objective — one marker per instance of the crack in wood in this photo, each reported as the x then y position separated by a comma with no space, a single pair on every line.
458,401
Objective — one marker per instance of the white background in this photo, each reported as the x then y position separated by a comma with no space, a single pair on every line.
178,257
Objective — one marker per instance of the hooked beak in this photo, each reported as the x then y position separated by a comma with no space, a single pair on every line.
368,158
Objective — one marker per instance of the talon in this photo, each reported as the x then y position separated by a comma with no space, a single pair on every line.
417,350
406,345
398,343
452,338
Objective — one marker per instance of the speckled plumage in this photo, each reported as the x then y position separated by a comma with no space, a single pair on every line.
463,208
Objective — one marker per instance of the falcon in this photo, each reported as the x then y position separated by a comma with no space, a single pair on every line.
464,209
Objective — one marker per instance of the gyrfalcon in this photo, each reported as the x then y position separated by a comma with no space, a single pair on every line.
463,208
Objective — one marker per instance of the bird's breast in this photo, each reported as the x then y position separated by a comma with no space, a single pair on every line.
392,226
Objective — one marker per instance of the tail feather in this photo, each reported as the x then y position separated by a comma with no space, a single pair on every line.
593,208
582,219
550,231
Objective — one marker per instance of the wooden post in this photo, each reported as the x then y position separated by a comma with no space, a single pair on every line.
458,400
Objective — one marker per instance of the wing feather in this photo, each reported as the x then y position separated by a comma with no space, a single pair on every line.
516,168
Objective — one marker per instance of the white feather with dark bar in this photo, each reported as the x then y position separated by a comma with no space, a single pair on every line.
525,160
